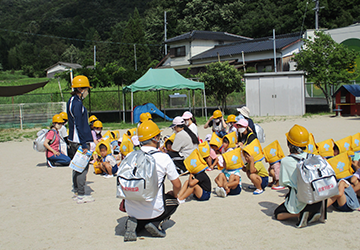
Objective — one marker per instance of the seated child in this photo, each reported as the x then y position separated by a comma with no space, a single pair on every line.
217,122
108,163
256,172
274,172
346,200
212,160
198,184
231,120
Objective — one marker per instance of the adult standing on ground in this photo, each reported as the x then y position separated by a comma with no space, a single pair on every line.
184,144
151,214
79,133
245,112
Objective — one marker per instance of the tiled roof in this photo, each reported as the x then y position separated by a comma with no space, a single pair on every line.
255,45
208,35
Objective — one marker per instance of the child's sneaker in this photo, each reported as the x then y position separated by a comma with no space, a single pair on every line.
154,231
108,176
75,197
277,187
258,191
50,165
85,199
130,229
220,191
303,220
251,187
180,201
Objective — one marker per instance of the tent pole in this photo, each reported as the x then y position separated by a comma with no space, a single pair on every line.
189,100
132,107
119,103
205,105
164,105
123,104
202,105
193,93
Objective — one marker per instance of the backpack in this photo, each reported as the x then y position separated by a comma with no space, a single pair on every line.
137,178
260,133
316,179
38,143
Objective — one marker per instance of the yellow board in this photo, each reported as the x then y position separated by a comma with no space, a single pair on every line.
126,145
273,152
106,143
326,148
344,144
194,163
97,169
355,142
204,149
131,132
233,159
215,140
341,165
232,139
254,149
311,147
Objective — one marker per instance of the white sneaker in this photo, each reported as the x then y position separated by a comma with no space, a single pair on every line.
108,176
180,201
75,197
85,199
220,191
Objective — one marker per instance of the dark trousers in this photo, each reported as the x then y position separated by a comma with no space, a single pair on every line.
171,205
178,161
79,179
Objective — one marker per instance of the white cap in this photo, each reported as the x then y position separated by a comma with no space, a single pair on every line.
244,111
177,121
187,115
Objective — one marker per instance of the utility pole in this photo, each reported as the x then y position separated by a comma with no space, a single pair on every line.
94,56
274,50
165,22
317,10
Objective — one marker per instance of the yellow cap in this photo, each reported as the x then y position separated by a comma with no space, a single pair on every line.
148,130
355,142
215,140
106,143
233,159
64,115
194,163
231,118
57,119
97,124
217,114
232,139
126,145
204,149
131,132
326,148
254,149
298,136
344,144
273,152
311,147
341,165
80,82
92,118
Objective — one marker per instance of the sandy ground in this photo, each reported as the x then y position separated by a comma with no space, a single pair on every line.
37,212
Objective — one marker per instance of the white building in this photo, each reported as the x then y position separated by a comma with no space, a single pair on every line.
60,67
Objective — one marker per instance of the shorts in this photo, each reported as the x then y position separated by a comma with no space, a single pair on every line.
276,166
235,191
357,174
265,182
115,168
280,210
344,208
204,197
227,173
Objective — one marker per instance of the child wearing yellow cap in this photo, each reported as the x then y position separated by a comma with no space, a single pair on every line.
256,172
108,163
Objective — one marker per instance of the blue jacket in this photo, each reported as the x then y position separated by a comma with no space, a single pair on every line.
79,129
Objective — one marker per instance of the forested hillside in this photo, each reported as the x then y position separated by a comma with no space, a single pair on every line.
34,34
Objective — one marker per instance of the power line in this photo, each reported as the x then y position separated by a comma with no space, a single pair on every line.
75,39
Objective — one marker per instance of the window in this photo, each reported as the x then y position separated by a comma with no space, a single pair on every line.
177,52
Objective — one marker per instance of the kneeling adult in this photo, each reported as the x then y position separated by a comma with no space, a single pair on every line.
151,214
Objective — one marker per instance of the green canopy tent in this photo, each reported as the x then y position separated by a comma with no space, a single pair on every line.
161,79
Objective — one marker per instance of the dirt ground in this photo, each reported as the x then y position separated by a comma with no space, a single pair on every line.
37,212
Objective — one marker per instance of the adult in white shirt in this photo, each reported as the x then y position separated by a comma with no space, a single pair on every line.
151,214
190,121
184,144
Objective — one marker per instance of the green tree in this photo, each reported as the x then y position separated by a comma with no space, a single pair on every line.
327,64
221,79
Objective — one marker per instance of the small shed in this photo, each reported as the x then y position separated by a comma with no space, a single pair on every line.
273,94
60,67
345,99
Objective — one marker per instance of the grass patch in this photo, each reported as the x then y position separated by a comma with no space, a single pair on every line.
18,134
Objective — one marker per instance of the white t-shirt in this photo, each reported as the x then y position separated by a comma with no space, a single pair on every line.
194,129
152,209
183,144
110,159
62,132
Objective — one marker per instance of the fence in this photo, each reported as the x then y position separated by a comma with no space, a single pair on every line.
313,91
29,115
